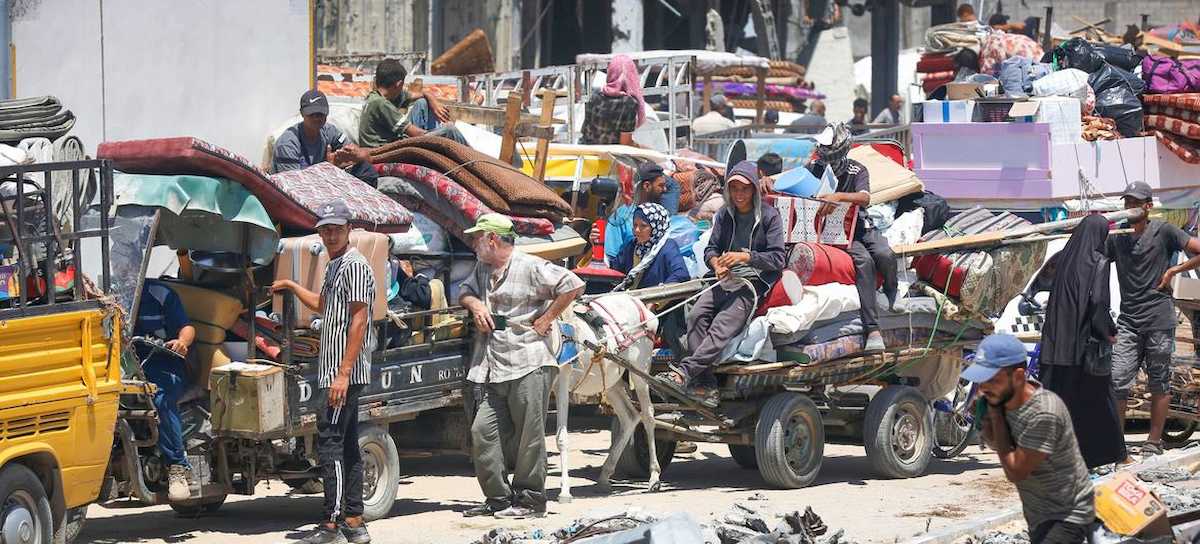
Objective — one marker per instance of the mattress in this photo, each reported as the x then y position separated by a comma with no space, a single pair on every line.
458,198
852,345
935,62
850,324
889,180
290,197
1185,101
1173,125
36,117
818,264
440,163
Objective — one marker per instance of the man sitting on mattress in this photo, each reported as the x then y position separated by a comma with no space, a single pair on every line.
314,141
393,113
869,250
747,254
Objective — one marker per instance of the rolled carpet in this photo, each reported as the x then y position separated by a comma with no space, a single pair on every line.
524,195
459,198
441,163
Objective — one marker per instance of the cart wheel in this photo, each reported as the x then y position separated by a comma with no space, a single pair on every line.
744,456
381,472
789,441
1177,432
954,428
635,460
898,432
194,508
24,509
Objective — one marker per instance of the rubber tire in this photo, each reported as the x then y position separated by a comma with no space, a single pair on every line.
877,437
744,456
634,462
208,505
1173,439
15,477
380,504
772,432
68,531
971,436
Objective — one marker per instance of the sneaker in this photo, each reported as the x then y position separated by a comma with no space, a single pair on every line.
355,535
177,483
520,512
484,509
1150,449
874,342
323,534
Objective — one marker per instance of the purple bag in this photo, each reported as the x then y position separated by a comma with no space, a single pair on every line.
1165,75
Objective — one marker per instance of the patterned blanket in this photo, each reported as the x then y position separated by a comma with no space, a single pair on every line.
290,198
459,199
1186,101
1184,148
1173,125
1178,113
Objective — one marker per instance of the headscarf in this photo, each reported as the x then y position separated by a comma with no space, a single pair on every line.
1071,276
833,147
656,216
623,80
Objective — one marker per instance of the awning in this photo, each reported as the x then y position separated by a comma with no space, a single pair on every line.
202,213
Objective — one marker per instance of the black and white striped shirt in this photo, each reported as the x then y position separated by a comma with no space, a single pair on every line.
347,279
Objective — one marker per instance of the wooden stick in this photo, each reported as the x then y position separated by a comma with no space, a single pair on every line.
986,239
543,144
1088,25
707,94
761,98
512,115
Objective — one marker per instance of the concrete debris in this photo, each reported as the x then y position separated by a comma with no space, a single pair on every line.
997,537
1164,475
757,497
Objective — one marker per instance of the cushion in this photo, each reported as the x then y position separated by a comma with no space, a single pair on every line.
290,197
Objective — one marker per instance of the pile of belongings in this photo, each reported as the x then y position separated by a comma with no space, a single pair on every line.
991,47
36,117
785,86
34,130
1110,78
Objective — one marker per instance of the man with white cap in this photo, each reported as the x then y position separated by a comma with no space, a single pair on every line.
514,300
344,370
714,120
1030,430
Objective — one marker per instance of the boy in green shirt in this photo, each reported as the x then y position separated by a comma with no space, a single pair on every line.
392,113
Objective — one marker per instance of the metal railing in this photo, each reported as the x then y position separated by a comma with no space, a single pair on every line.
717,144
496,86
667,82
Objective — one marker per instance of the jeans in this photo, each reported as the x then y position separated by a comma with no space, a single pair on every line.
422,117
167,374
1058,532
340,456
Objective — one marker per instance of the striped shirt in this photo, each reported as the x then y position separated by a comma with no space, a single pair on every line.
1058,489
347,279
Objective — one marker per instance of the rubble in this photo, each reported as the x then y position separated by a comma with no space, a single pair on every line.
998,537
1164,475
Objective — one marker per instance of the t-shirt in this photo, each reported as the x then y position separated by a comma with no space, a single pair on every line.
743,227
856,180
383,121
809,123
347,279
711,122
606,118
1059,487
1141,262
294,152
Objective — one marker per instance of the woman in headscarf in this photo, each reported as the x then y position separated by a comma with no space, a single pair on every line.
1077,338
611,116
651,258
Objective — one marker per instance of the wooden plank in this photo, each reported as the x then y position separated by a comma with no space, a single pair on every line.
739,370
493,117
986,239
543,143
508,142
761,98
707,94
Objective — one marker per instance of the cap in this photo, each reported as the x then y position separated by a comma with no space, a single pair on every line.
1139,190
494,223
997,19
995,352
334,212
313,101
648,170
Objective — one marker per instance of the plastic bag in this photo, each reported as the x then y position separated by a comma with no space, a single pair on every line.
1122,57
1070,82
1109,76
1078,53
1120,104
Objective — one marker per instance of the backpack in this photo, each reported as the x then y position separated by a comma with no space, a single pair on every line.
1165,75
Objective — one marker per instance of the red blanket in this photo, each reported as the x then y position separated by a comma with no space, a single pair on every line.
459,198
1186,101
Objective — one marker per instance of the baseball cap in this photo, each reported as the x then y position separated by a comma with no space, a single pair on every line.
1139,190
494,223
334,212
995,352
997,19
648,170
313,101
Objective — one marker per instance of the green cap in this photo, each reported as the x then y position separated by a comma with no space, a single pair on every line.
494,223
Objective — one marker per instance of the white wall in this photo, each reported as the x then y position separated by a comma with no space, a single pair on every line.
223,71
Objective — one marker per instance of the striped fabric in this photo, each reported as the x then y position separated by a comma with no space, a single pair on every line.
1187,101
1178,113
1173,125
1187,150
347,279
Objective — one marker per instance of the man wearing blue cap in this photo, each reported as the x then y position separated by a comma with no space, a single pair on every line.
1030,429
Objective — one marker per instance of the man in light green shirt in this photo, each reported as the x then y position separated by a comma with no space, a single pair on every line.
392,112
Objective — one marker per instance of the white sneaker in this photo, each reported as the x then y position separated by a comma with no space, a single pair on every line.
177,483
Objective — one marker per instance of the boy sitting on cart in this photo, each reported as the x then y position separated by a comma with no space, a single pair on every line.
746,252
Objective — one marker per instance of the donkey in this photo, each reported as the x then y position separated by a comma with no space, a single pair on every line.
624,326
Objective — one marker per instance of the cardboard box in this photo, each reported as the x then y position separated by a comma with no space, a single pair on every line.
949,111
963,91
1127,507
1184,288
248,399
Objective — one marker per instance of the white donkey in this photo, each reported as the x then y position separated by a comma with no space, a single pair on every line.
628,332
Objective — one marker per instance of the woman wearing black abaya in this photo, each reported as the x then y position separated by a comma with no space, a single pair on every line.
1077,338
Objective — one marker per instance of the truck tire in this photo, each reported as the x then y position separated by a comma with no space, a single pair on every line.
72,524
744,456
1177,432
635,459
898,432
198,507
381,472
789,441
24,509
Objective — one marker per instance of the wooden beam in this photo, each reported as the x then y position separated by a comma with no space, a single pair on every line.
493,117
512,115
543,143
708,92
761,97
988,239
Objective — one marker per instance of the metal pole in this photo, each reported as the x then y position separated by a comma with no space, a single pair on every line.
1047,41
885,53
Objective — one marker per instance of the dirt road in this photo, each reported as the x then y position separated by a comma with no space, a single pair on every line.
706,484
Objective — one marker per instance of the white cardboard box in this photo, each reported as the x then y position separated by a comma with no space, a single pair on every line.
949,111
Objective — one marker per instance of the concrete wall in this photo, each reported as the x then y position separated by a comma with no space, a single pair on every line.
143,68
499,19
372,26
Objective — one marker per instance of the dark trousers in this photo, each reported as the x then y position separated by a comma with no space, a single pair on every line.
341,460
716,319
509,430
872,254
1058,532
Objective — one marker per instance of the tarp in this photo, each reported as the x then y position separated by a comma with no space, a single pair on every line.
206,213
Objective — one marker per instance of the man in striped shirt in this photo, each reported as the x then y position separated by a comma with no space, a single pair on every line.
514,300
345,370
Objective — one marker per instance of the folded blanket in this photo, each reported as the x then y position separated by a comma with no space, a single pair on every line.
848,346
1178,113
441,163
1173,125
951,37
1185,101
459,198
524,195
1184,148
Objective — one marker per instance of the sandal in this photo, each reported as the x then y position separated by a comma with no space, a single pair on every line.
674,380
